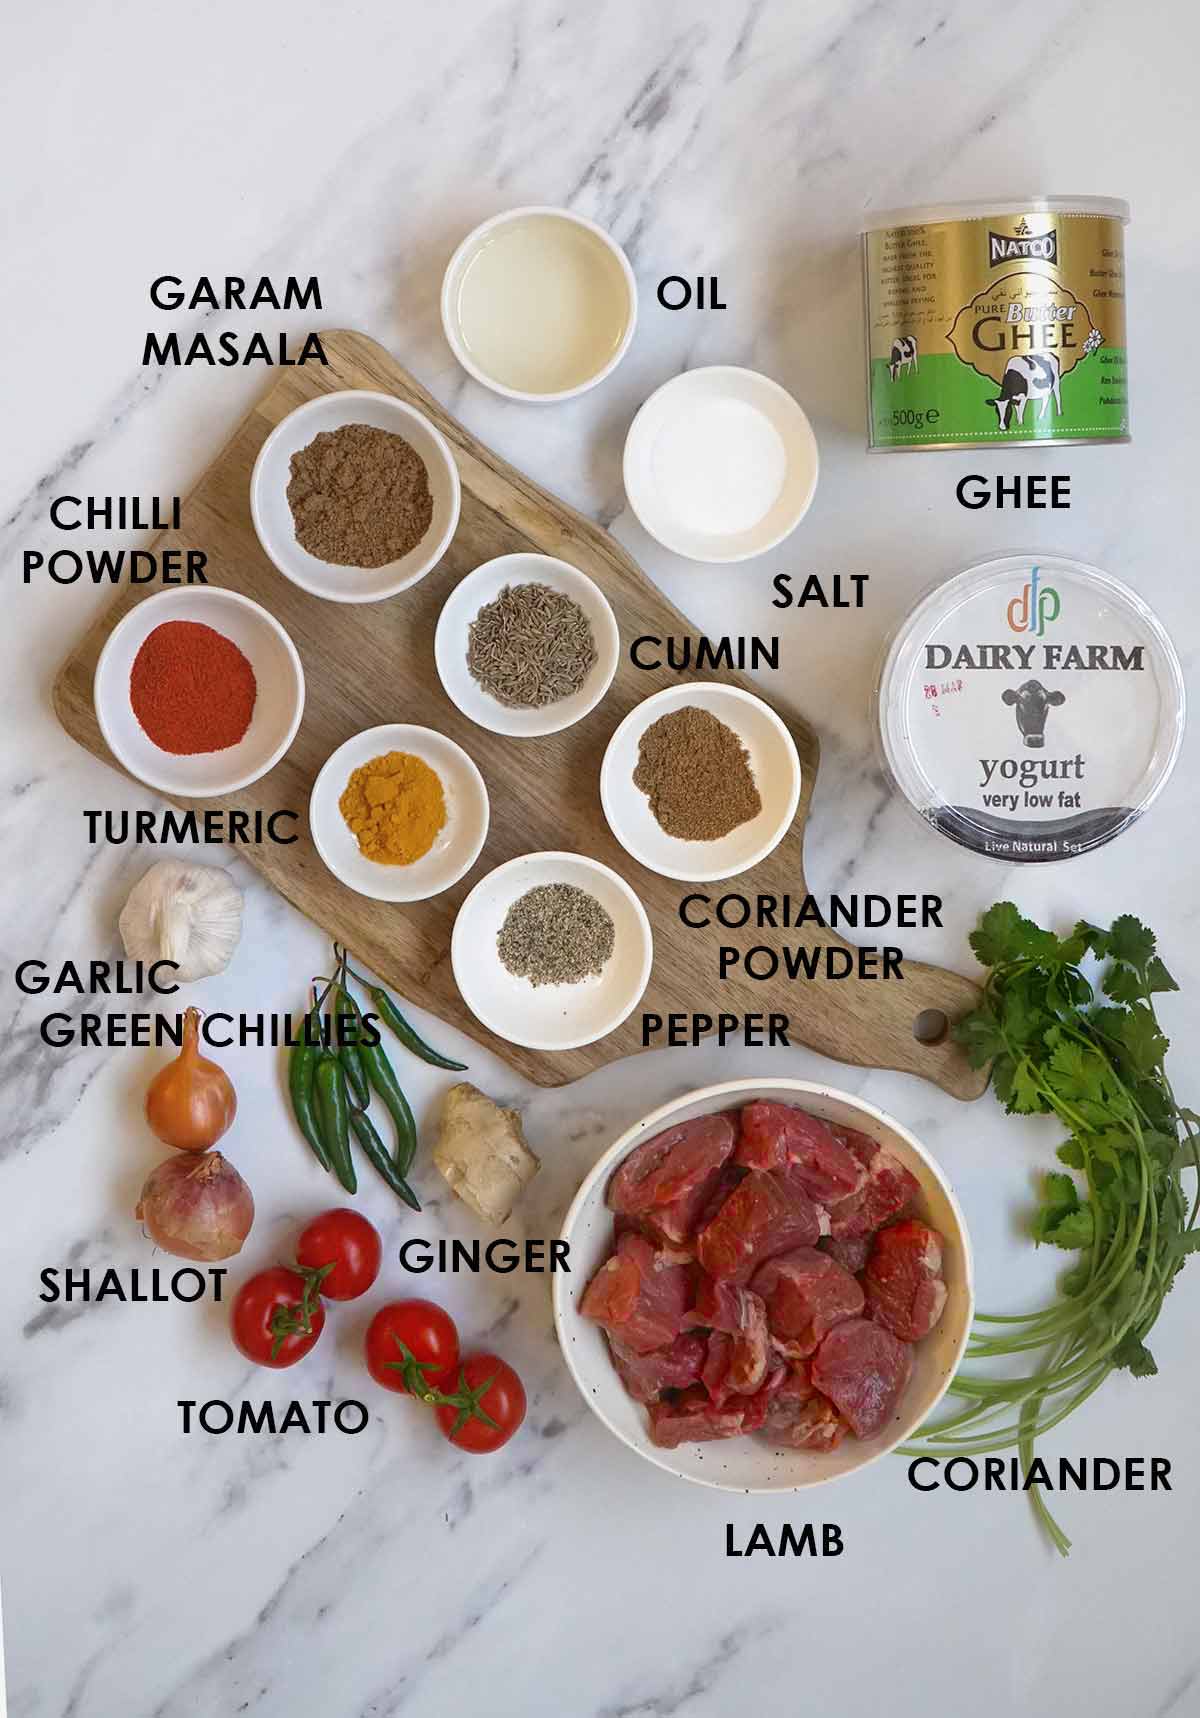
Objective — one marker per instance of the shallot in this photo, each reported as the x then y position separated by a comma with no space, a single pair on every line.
196,1207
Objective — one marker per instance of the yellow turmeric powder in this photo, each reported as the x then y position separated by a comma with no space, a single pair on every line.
395,806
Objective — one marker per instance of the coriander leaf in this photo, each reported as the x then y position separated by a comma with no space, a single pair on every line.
1071,1153
1156,1104
1106,1022
1131,941
998,937
1059,1193
1123,984
1003,1069
1075,1072
1004,936
1059,1204
981,1035
1085,936
1026,1016
1026,1097
1163,1148
1074,1230
1077,1280
1141,1038
1096,1114
1131,1353
1071,949
1158,978
1186,1243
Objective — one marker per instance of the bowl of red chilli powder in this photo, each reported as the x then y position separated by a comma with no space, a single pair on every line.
198,692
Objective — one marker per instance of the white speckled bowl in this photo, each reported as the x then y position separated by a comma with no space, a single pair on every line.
752,1464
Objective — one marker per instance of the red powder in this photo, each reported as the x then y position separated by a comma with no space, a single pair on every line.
191,689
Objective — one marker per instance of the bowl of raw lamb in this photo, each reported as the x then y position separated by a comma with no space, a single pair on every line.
770,1286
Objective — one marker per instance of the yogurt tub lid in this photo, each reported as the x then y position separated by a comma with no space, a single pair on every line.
1031,708
930,214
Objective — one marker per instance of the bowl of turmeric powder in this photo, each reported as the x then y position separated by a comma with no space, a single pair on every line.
399,813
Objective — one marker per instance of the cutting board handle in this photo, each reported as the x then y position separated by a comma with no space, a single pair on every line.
903,1022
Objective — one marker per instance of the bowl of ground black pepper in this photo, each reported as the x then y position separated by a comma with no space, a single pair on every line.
198,691
551,951
355,496
526,645
700,782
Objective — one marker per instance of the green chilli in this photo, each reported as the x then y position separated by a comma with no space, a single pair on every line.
333,1111
302,1068
367,1136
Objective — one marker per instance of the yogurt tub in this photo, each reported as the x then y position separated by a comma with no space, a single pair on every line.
995,323
1030,709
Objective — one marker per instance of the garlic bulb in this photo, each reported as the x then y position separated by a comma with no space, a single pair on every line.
189,914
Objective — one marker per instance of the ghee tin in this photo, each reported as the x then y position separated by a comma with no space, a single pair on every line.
1031,708
996,323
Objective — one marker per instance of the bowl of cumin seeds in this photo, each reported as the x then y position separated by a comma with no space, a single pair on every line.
526,645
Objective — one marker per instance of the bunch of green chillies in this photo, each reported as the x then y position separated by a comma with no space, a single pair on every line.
331,1083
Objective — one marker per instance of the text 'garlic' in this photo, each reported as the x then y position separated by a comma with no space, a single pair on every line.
188,914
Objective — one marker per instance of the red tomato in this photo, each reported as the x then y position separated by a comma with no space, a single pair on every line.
349,1244
273,1324
489,1406
412,1335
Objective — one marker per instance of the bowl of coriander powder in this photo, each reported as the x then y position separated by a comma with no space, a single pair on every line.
526,645
700,782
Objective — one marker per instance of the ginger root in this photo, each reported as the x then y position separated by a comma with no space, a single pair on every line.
482,1152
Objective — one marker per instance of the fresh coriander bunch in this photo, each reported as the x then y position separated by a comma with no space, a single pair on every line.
1096,1061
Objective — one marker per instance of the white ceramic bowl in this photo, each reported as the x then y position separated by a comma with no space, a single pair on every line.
752,1464
550,1016
468,252
457,846
773,758
278,706
482,587
720,464
273,517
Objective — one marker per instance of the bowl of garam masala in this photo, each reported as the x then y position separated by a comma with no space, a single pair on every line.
399,813
355,496
526,645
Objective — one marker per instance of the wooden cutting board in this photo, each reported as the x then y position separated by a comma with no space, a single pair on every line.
371,663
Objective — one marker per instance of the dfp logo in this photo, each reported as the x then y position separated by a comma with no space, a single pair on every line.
1036,606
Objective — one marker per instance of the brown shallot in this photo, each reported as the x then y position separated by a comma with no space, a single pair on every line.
191,1101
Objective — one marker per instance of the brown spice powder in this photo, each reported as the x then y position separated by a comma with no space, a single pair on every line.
359,496
697,775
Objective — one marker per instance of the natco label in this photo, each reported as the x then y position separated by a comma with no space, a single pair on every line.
990,328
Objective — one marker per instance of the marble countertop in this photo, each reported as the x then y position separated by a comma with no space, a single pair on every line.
147,1572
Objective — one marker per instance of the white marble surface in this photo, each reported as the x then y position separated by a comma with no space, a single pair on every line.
145,1572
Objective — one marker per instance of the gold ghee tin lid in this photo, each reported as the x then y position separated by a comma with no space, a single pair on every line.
933,214
1031,709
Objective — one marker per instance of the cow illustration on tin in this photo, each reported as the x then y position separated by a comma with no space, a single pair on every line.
904,355
1032,704
1028,376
